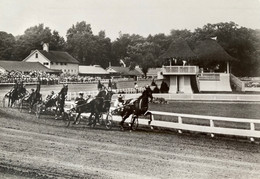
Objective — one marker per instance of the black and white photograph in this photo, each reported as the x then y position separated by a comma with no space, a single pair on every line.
129,89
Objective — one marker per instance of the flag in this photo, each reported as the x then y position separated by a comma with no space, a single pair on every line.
122,62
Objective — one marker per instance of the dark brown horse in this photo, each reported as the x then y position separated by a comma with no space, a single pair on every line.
16,93
60,101
136,107
97,106
35,97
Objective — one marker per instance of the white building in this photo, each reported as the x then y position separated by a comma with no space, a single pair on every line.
57,60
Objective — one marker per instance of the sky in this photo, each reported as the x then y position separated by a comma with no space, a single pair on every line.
141,17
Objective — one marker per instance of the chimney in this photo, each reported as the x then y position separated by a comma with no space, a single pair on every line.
45,47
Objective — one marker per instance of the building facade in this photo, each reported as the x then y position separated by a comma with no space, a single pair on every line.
56,60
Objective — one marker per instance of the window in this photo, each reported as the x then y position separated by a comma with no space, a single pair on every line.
45,63
65,63
36,55
57,63
51,63
61,63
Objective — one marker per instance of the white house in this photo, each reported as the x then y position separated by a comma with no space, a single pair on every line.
57,60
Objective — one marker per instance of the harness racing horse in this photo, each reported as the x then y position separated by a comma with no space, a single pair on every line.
35,98
97,106
60,101
16,93
57,101
136,108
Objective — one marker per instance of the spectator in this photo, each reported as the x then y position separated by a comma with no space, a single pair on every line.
156,89
136,87
153,83
114,85
99,86
109,84
164,87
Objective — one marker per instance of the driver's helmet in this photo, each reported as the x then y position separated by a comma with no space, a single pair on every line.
52,92
32,90
81,93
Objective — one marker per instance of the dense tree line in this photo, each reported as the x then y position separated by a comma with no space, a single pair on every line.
133,49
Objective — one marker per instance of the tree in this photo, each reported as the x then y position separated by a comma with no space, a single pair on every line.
102,53
80,42
119,48
57,42
33,38
142,54
7,43
239,42
88,48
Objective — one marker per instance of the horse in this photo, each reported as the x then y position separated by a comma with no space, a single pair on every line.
96,106
57,101
16,93
35,97
136,108
12,96
60,101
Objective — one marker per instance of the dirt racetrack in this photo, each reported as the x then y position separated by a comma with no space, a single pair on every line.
45,148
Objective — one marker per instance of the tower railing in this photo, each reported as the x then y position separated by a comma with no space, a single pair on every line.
171,70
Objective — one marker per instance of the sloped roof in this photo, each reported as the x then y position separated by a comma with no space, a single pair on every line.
25,66
179,50
139,70
124,71
59,56
96,69
210,50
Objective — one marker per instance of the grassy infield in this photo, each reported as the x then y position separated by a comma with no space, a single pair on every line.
210,109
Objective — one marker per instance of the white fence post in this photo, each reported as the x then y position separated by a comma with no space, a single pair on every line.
252,126
211,125
180,122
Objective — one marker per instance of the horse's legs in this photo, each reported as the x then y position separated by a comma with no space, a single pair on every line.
90,119
133,121
124,117
9,101
12,102
76,121
151,119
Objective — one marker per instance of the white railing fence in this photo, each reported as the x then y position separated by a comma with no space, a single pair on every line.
229,124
